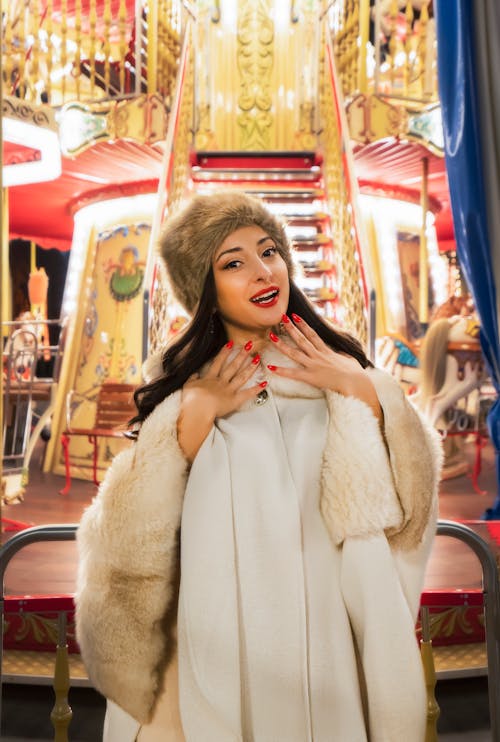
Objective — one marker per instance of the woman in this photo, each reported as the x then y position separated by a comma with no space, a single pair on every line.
306,485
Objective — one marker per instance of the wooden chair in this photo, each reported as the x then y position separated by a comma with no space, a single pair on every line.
115,407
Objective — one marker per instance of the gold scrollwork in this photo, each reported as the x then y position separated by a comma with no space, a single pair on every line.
255,60
24,111
351,299
43,630
453,620
371,118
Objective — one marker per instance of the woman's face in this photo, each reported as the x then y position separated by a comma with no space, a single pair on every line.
251,282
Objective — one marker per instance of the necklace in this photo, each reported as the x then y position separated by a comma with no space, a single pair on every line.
262,397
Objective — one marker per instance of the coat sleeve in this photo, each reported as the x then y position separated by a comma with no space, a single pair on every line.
128,566
375,485
373,482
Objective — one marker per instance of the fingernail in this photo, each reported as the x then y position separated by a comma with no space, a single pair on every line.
273,337
263,384
296,317
248,346
285,319
230,344
271,368
256,359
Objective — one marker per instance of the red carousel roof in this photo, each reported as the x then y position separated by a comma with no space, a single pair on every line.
394,168
44,212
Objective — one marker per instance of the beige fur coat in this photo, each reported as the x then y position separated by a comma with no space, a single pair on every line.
128,538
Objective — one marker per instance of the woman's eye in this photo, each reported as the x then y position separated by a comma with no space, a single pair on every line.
232,264
269,251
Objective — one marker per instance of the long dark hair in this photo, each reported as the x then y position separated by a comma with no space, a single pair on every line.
205,335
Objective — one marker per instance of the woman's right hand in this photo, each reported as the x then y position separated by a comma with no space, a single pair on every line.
215,394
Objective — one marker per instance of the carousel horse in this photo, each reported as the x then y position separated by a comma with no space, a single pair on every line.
451,365
395,354
451,374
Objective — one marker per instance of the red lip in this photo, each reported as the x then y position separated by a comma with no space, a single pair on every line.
264,291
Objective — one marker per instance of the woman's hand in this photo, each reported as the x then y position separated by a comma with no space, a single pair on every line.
322,367
216,394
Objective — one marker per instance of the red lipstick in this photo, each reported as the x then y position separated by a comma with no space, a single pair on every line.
266,298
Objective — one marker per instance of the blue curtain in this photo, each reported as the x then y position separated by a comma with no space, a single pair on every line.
460,93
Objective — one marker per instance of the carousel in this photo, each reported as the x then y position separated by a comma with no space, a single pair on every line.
113,113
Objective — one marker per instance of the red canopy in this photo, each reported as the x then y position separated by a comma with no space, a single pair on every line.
394,168
44,212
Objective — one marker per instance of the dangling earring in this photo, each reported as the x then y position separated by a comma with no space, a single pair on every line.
211,324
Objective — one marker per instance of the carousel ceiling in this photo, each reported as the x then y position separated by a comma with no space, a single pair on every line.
44,212
394,168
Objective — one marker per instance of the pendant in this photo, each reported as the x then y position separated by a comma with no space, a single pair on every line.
261,397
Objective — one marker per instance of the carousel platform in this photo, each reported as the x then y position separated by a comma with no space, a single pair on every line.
40,580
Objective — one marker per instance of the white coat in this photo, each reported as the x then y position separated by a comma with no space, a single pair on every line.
378,505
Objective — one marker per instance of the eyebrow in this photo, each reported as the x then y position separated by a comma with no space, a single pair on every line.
239,249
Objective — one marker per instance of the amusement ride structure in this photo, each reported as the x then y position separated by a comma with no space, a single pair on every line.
115,111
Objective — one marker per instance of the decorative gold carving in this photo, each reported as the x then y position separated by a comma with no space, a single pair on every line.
255,58
306,139
106,47
61,713
22,110
351,301
183,141
371,118
143,119
451,622
345,42
163,307
204,135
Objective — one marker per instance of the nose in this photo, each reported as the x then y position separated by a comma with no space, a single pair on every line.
262,270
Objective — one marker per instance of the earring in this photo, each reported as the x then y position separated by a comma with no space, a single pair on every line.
211,324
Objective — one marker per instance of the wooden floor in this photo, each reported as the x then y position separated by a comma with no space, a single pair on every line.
50,568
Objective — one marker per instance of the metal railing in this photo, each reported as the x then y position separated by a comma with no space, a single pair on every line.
491,600
66,532
31,368
491,594
106,49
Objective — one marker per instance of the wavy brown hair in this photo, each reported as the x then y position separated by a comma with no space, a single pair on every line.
205,335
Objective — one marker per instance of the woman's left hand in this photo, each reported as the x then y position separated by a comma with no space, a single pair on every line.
322,367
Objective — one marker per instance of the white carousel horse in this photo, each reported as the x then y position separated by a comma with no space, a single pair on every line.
448,375
451,366
452,373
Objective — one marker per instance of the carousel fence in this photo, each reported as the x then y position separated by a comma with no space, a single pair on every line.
61,713
90,51
491,605
31,368
385,48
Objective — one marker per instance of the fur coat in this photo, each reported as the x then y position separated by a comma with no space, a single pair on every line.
128,542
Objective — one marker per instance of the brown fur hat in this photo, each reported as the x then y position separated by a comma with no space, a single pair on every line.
191,237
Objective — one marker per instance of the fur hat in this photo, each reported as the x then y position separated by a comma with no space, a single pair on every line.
191,237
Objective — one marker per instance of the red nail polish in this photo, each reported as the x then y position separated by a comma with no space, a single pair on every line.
248,346
230,344
256,360
273,337
296,317
271,368
285,319
263,384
